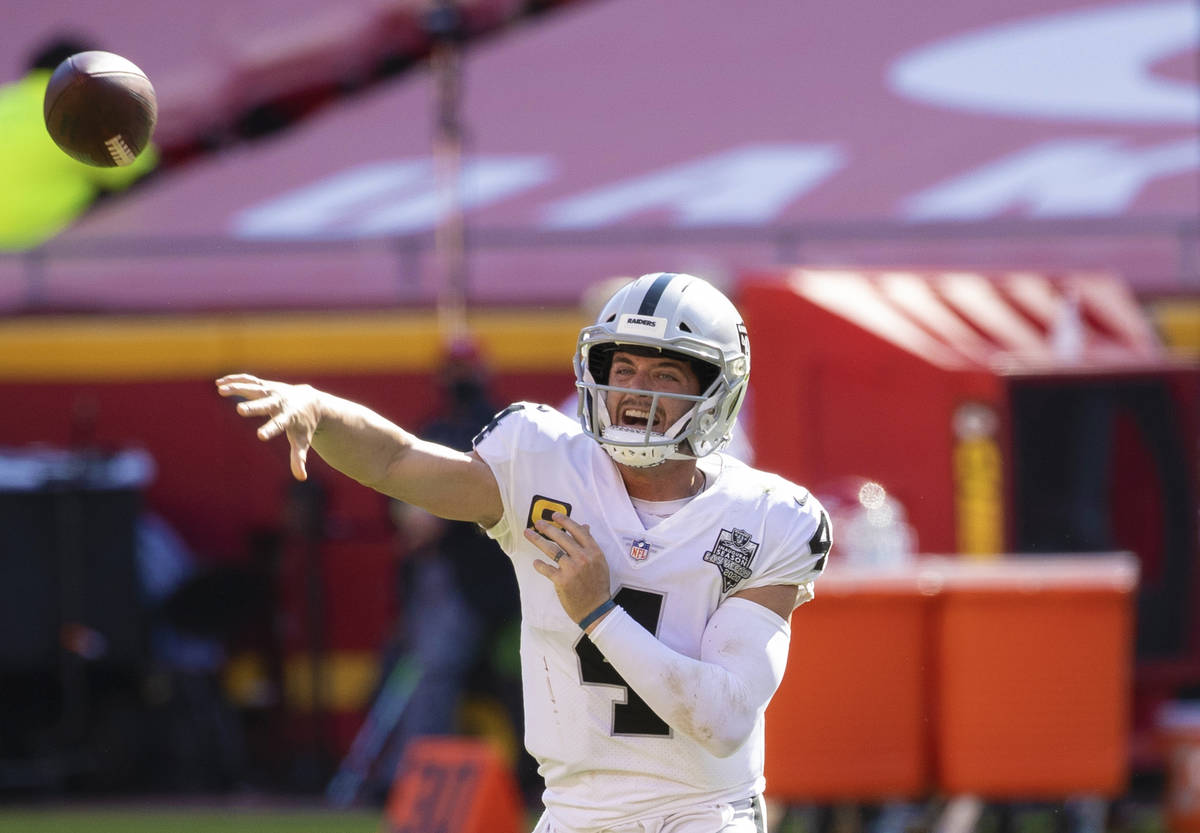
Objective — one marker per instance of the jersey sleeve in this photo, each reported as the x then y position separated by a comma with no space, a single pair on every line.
517,441
802,537
497,444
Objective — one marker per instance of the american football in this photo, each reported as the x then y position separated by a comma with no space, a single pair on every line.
100,109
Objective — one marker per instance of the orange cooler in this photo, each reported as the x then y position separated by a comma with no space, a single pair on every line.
850,721
1033,675
1179,725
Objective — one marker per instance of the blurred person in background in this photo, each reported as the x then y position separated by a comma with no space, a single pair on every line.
458,595
193,738
657,575
872,524
44,188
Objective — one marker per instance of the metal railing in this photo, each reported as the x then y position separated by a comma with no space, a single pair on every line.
1157,254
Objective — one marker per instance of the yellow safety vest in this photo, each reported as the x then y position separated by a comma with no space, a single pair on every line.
42,190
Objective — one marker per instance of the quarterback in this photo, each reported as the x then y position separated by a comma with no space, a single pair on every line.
658,575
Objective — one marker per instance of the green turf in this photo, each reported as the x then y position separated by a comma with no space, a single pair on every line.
187,821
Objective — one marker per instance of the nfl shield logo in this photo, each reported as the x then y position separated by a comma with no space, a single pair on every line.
639,550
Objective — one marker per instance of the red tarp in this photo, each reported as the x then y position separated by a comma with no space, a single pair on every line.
634,135
930,349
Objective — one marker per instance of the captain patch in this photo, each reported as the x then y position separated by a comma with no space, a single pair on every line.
542,507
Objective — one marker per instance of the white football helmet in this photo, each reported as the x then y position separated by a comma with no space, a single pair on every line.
674,313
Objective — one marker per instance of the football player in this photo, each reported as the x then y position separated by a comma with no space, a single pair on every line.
658,575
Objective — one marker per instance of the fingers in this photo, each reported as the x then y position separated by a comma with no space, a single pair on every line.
562,531
237,378
300,441
279,421
271,406
299,437
272,428
243,385
299,458
578,568
580,532
262,398
550,549
268,404
568,544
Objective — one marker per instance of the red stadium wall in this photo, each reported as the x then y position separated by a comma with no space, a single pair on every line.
216,482
113,384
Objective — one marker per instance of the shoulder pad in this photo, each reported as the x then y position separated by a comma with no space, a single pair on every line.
487,429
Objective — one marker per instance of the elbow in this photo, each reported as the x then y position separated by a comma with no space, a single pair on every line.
725,747
385,477
723,722
722,737
724,744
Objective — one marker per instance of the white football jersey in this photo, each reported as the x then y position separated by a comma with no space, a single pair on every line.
606,757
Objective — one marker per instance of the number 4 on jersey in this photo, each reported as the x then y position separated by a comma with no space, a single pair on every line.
821,542
633,717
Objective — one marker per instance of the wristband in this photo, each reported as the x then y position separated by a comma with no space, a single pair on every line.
605,607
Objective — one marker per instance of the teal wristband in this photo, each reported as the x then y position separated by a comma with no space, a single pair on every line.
604,607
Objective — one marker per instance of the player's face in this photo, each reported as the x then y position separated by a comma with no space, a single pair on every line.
652,373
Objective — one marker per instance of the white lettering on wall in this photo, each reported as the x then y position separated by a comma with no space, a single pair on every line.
392,197
749,184
1072,177
1093,64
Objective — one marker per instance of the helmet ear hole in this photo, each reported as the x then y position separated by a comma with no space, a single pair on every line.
706,373
600,362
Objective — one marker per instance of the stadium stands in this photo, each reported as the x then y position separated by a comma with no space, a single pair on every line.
216,65
700,139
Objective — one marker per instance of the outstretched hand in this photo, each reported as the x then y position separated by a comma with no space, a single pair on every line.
579,569
293,409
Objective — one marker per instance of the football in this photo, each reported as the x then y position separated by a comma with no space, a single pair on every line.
100,109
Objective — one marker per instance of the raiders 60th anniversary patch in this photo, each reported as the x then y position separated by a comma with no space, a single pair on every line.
732,553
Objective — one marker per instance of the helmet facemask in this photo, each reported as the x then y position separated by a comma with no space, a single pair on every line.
644,447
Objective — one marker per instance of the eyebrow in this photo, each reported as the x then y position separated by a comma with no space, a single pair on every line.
659,362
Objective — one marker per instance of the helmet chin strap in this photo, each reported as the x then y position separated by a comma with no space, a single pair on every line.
634,456
621,437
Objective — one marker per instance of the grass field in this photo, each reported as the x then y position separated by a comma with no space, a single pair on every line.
158,817
160,820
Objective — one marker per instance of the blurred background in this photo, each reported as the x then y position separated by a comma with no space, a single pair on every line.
964,238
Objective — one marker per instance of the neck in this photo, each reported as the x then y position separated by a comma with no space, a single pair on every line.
671,480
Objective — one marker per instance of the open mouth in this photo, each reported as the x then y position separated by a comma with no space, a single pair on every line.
638,417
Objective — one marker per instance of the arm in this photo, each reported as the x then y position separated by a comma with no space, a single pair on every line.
363,445
716,699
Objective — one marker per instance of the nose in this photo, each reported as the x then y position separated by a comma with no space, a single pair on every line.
641,379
